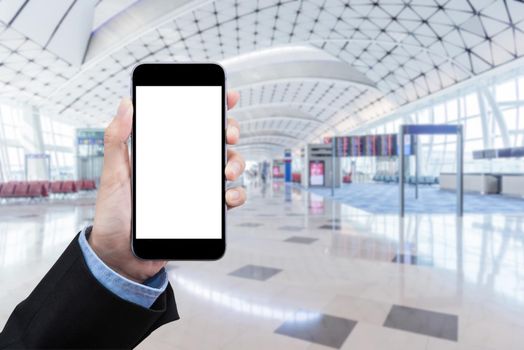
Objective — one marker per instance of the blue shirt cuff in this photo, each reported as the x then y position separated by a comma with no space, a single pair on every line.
142,294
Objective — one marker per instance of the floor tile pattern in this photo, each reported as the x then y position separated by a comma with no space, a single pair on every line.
301,239
435,324
255,272
327,330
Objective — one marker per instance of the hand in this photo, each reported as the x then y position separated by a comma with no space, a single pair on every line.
110,237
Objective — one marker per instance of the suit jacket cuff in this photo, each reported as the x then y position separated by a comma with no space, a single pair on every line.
141,294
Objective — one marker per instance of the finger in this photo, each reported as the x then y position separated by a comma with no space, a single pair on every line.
235,165
235,197
116,158
233,131
232,99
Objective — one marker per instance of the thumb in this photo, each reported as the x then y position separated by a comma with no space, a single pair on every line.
116,158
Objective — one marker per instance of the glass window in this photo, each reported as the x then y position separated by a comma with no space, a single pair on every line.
473,145
59,140
520,115
452,110
69,160
423,117
506,91
473,128
498,142
440,114
46,124
521,88
15,156
510,116
472,105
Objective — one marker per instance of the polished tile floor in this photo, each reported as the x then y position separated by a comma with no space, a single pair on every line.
380,198
303,272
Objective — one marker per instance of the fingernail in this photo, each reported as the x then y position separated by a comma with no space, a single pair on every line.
233,195
125,108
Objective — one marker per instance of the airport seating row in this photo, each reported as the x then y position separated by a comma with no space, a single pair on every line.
385,178
35,189
422,180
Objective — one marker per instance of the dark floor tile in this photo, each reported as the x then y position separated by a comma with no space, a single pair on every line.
255,272
249,224
330,227
412,260
434,324
291,228
325,330
301,239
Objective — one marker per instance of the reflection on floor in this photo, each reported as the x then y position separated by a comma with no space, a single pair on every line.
379,198
303,272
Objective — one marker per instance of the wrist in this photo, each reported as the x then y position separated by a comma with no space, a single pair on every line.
110,255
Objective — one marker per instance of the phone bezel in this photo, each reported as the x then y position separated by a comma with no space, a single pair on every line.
178,74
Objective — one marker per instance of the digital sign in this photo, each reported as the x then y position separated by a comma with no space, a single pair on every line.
278,168
512,152
342,146
316,172
388,145
356,146
385,145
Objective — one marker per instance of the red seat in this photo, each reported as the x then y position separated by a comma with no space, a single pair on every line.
79,185
8,189
89,185
85,185
68,187
21,189
346,179
37,189
56,186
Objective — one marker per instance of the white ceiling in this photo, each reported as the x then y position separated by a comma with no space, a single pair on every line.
302,67
107,9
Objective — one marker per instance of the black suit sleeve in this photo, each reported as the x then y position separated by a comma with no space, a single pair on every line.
70,309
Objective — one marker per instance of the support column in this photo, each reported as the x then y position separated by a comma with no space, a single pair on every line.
401,170
287,166
417,163
460,172
333,176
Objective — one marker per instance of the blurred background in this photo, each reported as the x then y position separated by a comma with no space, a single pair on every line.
384,144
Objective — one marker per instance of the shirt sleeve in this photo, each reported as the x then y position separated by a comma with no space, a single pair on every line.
142,294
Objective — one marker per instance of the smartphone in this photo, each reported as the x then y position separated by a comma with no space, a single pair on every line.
178,161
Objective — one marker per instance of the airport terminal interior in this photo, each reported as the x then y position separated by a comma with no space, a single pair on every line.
383,142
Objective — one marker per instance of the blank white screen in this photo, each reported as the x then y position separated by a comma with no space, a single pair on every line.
178,157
